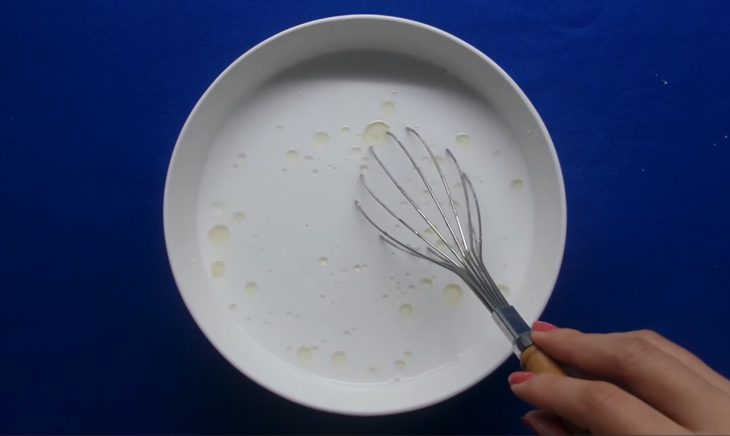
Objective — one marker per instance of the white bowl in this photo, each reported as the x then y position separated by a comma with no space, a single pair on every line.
367,331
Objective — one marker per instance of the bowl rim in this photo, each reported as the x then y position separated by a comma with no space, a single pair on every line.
415,405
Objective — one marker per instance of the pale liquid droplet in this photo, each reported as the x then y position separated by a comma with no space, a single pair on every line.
387,106
363,168
233,306
407,354
463,139
320,140
503,289
217,209
373,370
218,234
304,354
217,268
239,160
406,311
323,261
239,216
452,293
251,288
357,152
292,155
517,185
399,365
339,358
356,268
426,281
345,128
308,158
375,133
315,171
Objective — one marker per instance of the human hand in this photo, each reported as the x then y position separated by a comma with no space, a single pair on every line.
637,383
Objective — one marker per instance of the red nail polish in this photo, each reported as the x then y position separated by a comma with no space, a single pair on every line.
519,377
542,326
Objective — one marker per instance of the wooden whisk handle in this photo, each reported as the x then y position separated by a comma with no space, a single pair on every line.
536,361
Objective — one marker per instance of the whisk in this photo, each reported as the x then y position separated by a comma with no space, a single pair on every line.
459,250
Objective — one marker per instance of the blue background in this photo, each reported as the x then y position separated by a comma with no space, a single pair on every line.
94,335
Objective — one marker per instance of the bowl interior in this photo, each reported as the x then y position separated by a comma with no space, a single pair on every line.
272,258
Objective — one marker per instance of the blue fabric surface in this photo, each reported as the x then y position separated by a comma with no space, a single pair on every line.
94,335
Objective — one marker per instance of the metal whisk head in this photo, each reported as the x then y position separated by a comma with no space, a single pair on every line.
460,248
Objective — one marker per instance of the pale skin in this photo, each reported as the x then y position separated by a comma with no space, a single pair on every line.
631,383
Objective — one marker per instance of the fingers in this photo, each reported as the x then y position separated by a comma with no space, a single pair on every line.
635,361
544,423
685,357
599,407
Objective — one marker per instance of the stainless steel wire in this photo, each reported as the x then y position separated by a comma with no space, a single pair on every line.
460,250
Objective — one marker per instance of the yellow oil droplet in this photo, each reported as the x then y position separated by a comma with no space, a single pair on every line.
217,209
503,289
339,358
406,311
463,139
251,288
218,234
452,293
427,281
320,140
357,152
375,133
292,155
399,365
304,354
407,354
315,171
218,268
345,128
239,160
239,216
517,185
323,261
387,106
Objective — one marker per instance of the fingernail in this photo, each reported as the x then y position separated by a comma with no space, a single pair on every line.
542,326
519,377
526,422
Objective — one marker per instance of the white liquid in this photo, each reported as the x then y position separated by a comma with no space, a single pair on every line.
217,268
375,133
463,139
251,288
218,234
304,354
339,358
452,293
406,311
387,106
320,140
